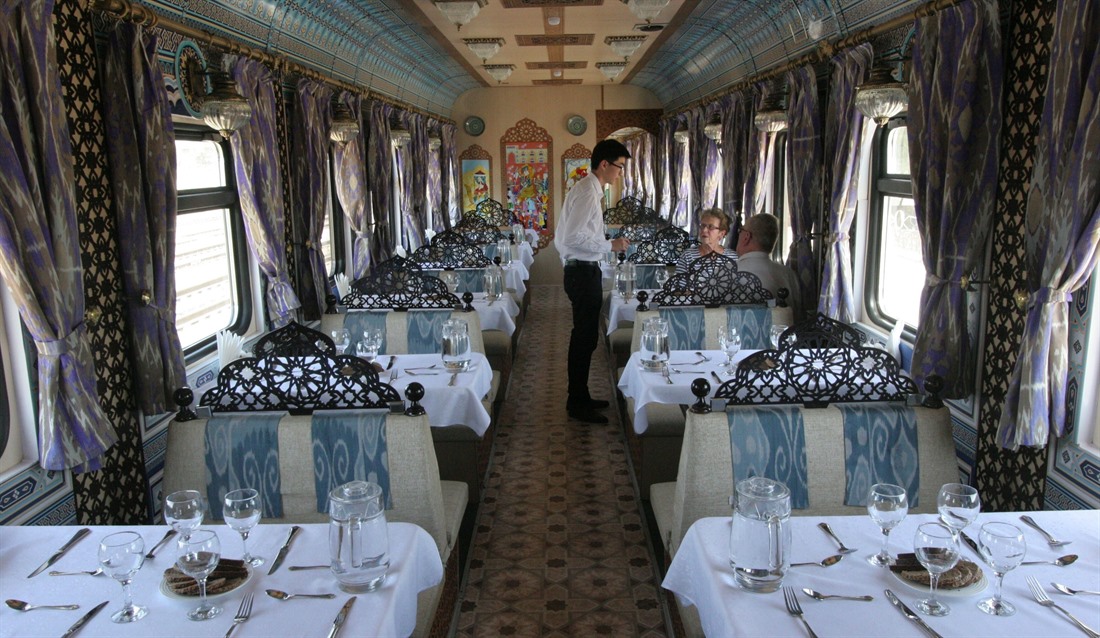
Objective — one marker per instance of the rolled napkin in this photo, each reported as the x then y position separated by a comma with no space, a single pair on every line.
227,576
230,347
963,574
342,285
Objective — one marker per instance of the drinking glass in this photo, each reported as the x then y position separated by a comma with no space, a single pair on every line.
958,505
197,556
887,504
121,555
937,548
661,276
242,513
369,345
1003,547
341,338
730,342
776,333
183,510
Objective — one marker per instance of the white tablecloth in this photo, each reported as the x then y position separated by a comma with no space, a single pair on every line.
459,404
621,310
700,575
525,253
389,611
500,315
515,278
652,387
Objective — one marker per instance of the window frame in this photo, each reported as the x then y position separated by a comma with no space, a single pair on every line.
338,226
206,199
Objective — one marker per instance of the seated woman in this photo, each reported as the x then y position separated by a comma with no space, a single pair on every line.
713,226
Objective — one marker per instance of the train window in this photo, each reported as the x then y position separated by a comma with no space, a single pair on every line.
895,268
211,256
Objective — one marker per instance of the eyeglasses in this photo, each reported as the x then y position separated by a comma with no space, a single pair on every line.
621,167
709,227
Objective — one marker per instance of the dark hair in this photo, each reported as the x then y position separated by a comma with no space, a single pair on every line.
720,215
609,150
765,228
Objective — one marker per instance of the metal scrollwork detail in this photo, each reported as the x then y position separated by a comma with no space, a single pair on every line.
630,210
400,284
639,232
665,247
712,280
449,249
297,370
476,231
493,213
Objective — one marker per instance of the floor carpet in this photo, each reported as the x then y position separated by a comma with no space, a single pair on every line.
560,546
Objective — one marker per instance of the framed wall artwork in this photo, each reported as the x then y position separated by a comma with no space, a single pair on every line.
528,173
576,163
477,171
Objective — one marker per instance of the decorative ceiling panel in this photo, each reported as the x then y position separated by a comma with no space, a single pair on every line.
566,39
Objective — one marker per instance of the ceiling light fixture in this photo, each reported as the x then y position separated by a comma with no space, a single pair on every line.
499,72
624,45
713,131
772,116
344,127
611,70
646,9
553,21
400,137
484,48
881,97
460,12
225,110
434,142
556,73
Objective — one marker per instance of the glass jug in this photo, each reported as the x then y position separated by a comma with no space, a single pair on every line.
493,279
358,540
518,236
456,345
624,279
504,251
653,351
760,537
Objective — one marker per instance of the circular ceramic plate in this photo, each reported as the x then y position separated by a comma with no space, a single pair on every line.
164,589
474,125
576,125
962,592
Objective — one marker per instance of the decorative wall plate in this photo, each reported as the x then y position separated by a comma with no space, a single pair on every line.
576,125
474,125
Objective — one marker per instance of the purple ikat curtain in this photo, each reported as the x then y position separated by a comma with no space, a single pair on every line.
416,179
449,180
433,192
1063,226
954,126
141,154
39,243
380,176
313,117
260,187
349,159
844,130
663,168
737,133
804,155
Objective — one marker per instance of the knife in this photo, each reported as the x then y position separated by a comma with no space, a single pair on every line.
341,617
84,619
910,614
389,365
167,537
284,549
61,552
717,378
972,545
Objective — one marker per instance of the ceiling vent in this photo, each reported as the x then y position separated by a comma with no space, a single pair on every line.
649,27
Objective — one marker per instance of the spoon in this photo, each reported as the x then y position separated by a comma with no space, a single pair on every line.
95,572
434,365
1053,542
828,530
828,562
25,606
819,596
282,595
702,357
1061,561
1069,591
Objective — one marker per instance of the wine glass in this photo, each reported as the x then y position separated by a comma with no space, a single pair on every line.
958,505
197,556
183,510
730,342
1002,545
242,513
340,339
776,333
121,555
661,276
887,504
937,548
368,346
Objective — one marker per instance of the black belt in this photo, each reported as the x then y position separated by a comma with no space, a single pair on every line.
580,262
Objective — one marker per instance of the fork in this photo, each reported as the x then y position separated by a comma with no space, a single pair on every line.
95,572
668,379
454,378
1053,542
795,609
1044,600
243,612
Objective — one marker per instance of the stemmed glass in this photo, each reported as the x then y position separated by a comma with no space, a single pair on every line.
183,510
887,504
340,339
661,276
1003,547
959,505
776,332
730,342
242,513
937,548
197,557
368,346
121,555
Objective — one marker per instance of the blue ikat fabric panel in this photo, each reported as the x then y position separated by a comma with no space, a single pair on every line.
242,451
686,328
770,441
880,446
349,446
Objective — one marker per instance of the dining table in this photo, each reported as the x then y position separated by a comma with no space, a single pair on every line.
498,314
700,575
390,610
646,386
620,311
447,403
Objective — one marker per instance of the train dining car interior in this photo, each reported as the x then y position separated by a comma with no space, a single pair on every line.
299,296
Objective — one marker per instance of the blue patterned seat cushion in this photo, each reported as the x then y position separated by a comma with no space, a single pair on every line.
242,451
687,328
770,441
880,446
349,445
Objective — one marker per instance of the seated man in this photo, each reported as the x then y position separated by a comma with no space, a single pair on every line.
754,246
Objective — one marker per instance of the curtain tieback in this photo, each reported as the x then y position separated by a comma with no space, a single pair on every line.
803,239
932,281
65,345
1049,296
836,238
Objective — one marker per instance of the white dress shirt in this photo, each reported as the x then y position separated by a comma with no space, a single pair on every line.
580,231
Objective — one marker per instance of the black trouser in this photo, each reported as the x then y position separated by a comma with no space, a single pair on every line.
584,286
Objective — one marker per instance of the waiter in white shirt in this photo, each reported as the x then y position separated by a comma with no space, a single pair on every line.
581,243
